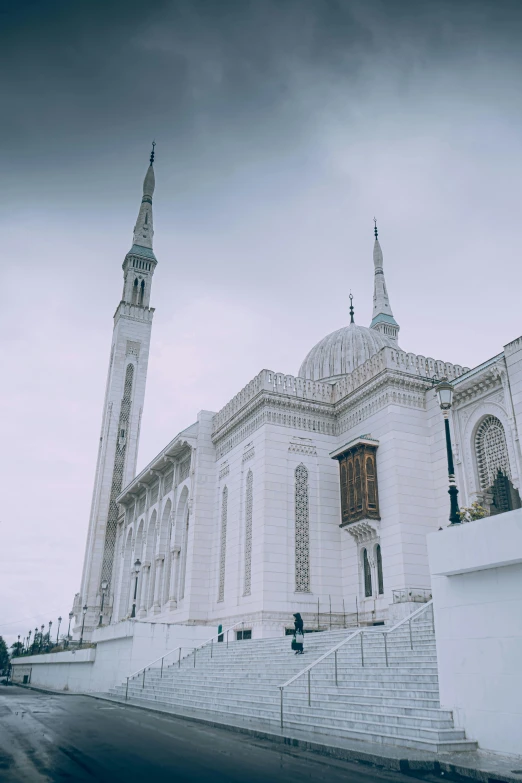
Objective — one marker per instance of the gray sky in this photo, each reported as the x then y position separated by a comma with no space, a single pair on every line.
282,128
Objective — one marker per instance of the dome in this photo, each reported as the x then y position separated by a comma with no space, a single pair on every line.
342,351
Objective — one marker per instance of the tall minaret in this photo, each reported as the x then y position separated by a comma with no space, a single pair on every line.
123,406
383,320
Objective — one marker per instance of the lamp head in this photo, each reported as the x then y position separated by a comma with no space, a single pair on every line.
71,615
84,610
137,566
104,585
444,391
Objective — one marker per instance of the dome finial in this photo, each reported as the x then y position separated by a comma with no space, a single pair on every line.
375,228
152,153
351,309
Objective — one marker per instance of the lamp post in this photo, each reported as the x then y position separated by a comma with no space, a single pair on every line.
18,646
84,612
41,637
58,631
137,566
104,586
445,396
71,615
49,635
35,643
29,641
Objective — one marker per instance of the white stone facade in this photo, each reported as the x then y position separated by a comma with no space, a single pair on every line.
477,591
239,517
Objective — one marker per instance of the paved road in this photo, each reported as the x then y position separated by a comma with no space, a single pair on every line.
76,738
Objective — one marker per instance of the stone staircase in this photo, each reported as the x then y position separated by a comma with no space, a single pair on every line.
395,704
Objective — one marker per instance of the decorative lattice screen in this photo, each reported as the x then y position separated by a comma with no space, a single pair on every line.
223,546
302,531
248,533
117,476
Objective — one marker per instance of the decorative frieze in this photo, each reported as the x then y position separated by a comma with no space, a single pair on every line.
249,452
302,446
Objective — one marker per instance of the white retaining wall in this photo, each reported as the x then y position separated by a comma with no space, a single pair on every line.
121,649
476,573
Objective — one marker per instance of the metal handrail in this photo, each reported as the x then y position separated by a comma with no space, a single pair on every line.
359,632
179,649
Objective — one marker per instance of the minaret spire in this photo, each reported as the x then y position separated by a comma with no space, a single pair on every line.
120,432
143,230
351,308
383,320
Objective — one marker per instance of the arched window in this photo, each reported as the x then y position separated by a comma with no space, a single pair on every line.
248,533
367,575
378,560
370,483
351,489
493,466
135,291
223,546
302,531
491,450
358,485
142,291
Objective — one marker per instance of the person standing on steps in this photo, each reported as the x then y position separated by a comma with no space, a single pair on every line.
298,634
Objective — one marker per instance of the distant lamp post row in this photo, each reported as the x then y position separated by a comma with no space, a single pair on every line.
444,391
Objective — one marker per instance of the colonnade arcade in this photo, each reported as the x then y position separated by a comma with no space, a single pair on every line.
159,541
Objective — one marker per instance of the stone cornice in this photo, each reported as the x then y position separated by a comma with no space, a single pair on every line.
265,399
304,392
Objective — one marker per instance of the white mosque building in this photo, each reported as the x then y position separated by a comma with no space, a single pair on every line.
310,492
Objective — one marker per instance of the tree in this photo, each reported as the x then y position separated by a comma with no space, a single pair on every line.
4,655
475,511
17,648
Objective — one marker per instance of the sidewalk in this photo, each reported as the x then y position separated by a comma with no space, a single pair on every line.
475,765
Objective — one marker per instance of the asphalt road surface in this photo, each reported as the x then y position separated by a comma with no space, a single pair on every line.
76,738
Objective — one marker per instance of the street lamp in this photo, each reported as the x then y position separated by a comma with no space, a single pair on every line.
35,644
445,396
71,615
29,641
104,586
49,635
41,637
18,646
58,631
137,566
84,612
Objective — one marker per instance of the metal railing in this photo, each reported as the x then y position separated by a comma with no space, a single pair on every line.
179,650
360,633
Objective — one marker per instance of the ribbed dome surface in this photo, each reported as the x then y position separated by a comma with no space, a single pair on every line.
342,351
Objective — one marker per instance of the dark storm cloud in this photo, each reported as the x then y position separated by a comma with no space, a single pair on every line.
88,73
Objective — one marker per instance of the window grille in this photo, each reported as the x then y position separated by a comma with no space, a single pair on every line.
302,531
184,470
154,494
380,580
167,482
367,575
491,450
223,547
248,533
